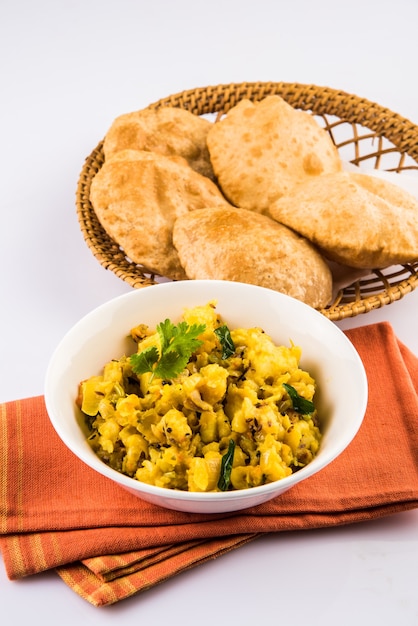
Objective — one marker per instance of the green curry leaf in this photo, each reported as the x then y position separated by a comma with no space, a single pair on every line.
300,405
224,335
226,467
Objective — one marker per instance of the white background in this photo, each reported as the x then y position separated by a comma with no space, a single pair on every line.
68,68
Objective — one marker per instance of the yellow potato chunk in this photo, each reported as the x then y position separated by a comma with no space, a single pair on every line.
203,473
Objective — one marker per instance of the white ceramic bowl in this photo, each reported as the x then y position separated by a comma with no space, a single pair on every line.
101,336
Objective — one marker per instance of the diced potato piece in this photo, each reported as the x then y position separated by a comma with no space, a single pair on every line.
208,316
203,474
243,416
176,427
244,477
109,433
113,371
240,458
293,436
213,383
136,446
224,425
93,391
272,465
208,426
127,410
147,473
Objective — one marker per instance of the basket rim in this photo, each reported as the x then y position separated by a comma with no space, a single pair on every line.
385,123
368,113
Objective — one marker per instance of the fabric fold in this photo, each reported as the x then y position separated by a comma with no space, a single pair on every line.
106,544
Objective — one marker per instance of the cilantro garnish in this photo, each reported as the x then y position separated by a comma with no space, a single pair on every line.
177,345
226,467
300,405
224,336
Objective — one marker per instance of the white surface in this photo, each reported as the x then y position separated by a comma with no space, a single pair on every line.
101,335
67,69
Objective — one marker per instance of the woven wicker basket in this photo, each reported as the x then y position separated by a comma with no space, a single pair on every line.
364,133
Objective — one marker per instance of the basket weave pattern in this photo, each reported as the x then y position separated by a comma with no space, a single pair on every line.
364,133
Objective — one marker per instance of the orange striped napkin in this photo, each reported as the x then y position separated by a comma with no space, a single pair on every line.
106,544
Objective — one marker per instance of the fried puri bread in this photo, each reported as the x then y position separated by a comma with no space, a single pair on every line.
355,219
245,246
259,151
167,130
137,195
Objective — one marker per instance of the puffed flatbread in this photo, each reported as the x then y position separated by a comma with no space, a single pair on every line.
244,246
137,195
259,151
166,130
355,219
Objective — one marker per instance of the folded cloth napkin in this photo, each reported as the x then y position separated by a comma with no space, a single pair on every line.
107,544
